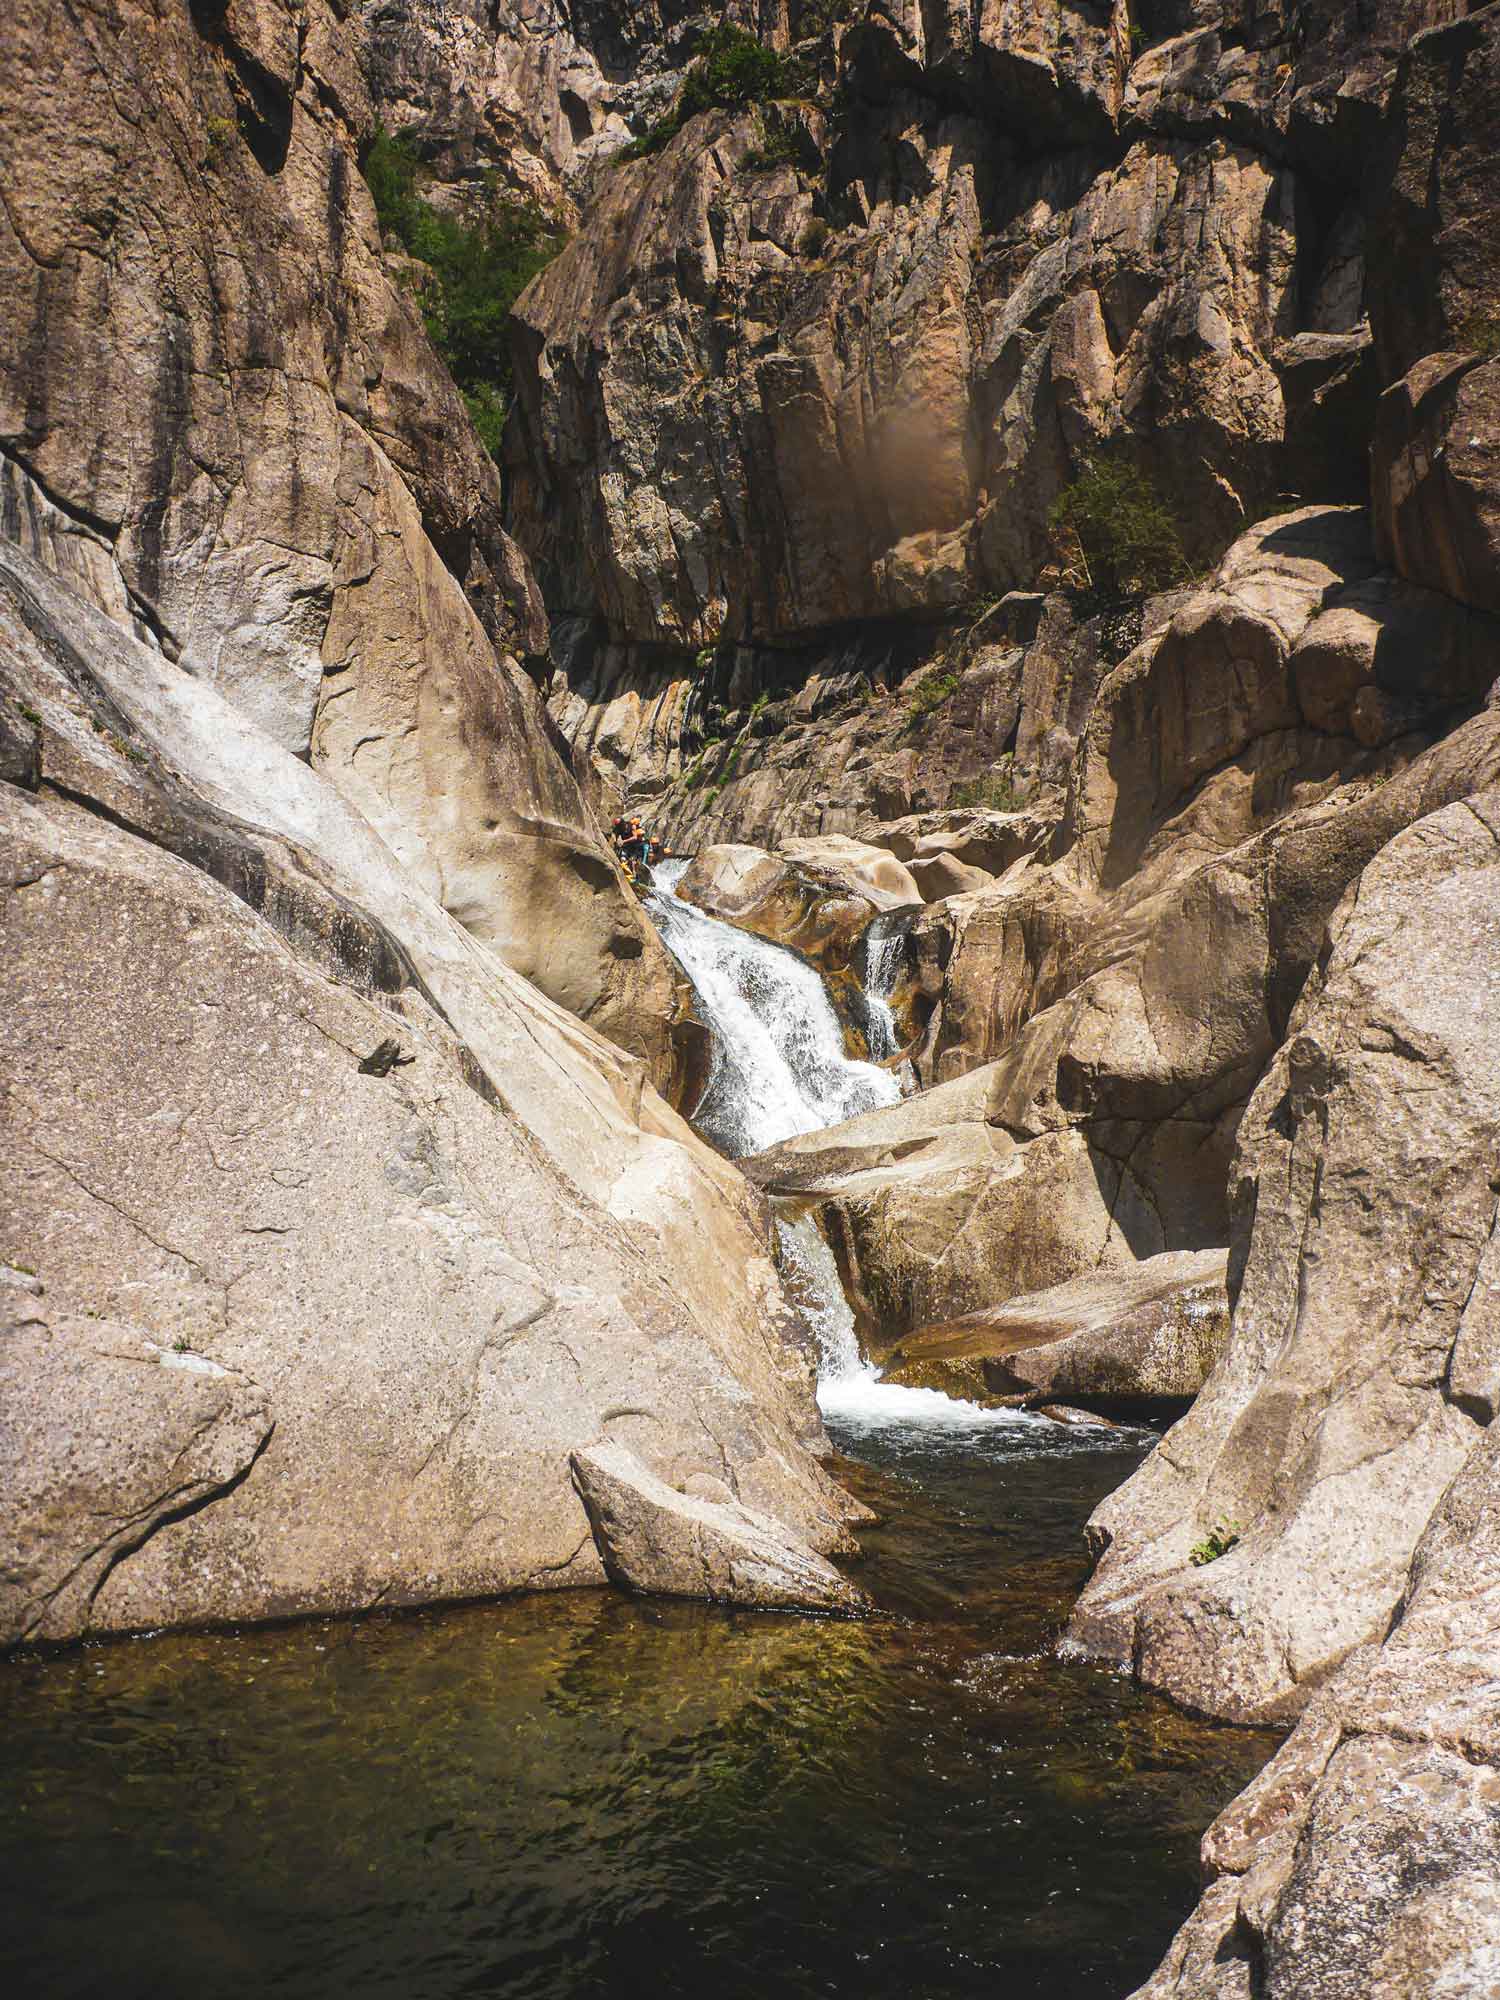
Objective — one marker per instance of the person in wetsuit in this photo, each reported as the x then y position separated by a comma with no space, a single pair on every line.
632,844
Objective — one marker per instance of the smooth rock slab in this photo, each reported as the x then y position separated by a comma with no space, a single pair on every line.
700,1542
1150,1334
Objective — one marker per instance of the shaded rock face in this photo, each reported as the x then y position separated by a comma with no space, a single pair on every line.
758,401
340,1238
876,411
273,473
1435,311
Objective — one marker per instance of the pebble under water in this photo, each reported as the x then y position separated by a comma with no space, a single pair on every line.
584,1795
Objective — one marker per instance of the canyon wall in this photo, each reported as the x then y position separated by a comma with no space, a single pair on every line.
342,1216
1034,471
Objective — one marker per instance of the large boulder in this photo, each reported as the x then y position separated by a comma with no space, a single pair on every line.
1361,1864
341,1237
698,1541
1142,1336
1362,1365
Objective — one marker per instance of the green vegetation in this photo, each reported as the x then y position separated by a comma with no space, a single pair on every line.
481,262
30,715
730,70
777,148
931,692
1220,1539
1126,539
815,237
996,790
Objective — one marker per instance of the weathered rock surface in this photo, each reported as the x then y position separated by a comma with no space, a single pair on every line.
1144,1336
698,1541
271,468
348,1233
1362,1367
817,897
1097,1018
1435,313
1363,1859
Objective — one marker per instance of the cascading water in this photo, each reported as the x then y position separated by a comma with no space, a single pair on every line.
849,1389
883,949
779,1070
779,1066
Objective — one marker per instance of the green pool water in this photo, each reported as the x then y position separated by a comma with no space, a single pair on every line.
586,1795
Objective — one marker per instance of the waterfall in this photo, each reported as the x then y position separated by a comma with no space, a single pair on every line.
779,1066
882,950
849,1388
779,1069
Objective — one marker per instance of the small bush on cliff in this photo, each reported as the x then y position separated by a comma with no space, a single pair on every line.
1220,1539
730,70
931,692
1127,542
997,790
482,260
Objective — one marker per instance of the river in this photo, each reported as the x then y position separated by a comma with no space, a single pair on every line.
586,1795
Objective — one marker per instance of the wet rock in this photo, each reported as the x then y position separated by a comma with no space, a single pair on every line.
1146,1335
698,1542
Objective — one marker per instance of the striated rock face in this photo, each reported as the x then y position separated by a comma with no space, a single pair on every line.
1362,1861
534,92
339,1237
207,375
877,425
1361,1370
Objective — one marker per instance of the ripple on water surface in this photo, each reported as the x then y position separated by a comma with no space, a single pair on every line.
581,1795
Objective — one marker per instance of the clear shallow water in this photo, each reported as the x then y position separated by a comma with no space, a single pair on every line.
586,1797
583,1795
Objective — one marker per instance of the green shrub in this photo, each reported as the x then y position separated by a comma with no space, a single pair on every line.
777,148
1220,1539
1128,540
815,237
931,692
730,69
488,407
482,261
996,790
1480,334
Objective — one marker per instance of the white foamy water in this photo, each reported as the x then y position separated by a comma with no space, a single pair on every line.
848,1387
779,1069
779,1066
884,949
